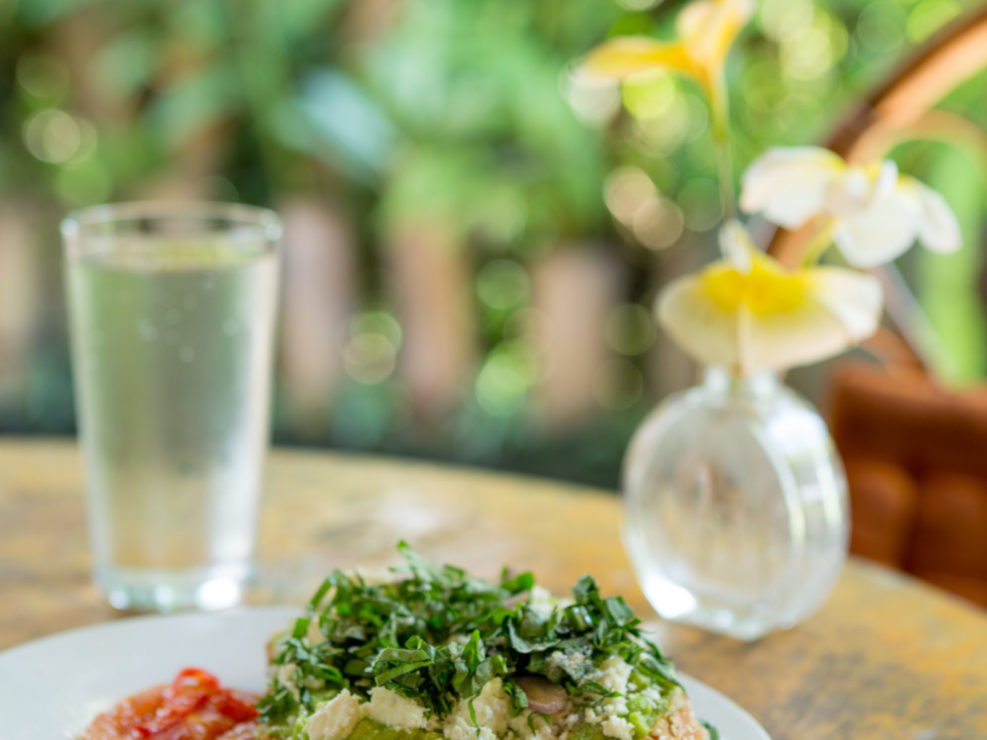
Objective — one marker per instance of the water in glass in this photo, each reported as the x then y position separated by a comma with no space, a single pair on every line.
172,351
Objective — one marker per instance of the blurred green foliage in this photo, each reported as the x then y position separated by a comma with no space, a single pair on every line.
461,111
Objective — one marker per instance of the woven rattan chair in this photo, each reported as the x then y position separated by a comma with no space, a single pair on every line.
915,451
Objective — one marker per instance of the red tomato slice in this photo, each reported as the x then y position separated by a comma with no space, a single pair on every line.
194,707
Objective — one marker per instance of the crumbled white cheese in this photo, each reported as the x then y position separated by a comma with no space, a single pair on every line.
334,719
612,674
542,601
286,677
462,729
390,708
652,693
617,727
571,663
491,709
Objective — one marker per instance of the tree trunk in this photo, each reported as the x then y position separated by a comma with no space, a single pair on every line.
21,305
318,295
431,283
574,291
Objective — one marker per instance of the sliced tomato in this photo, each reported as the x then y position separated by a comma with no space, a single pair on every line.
194,707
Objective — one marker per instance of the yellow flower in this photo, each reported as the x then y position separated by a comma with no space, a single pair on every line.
875,213
706,29
748,313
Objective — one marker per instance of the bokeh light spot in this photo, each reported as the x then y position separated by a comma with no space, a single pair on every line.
812,53
503,284
377,322
630,329
625,190
502,216
650,96
657,223
783,19
663,134
54,136
369,358
593,99
505,379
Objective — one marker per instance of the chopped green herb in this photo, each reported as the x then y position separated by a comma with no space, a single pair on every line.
438,635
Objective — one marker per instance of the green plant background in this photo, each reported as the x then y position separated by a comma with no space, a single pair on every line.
456,110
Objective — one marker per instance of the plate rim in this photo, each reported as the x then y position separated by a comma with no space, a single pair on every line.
111,624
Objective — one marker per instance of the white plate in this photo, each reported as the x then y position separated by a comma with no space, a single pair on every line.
52,687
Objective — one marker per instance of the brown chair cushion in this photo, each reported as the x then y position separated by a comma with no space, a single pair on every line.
916,460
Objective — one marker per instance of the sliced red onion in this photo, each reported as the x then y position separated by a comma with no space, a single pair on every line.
543,695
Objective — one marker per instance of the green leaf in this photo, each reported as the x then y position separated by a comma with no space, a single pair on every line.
517,584
393,673
527,646
618,611
439,635
301,628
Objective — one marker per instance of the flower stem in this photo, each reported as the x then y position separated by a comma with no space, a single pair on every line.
819,244
720,114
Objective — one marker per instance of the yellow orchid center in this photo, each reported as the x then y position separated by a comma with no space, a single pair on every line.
766,289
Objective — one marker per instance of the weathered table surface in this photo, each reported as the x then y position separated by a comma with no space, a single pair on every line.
886,657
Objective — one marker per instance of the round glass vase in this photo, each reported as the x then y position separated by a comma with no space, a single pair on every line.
735,506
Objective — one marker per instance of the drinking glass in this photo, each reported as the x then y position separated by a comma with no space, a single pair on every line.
172,310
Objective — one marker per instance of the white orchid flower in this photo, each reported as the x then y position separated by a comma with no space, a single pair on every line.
748,313
705,28
876,213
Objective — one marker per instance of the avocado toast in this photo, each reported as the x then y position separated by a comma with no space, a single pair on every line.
436,654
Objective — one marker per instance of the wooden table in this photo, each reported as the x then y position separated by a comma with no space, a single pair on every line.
887,657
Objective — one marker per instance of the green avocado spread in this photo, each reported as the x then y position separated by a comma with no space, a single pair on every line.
368,729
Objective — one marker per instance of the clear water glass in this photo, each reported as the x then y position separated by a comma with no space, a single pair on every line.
172,310
735,506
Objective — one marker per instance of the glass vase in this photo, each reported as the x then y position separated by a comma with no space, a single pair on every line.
736,506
